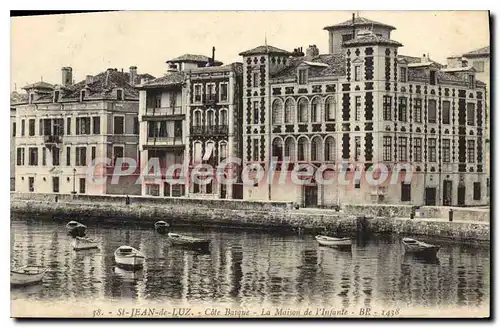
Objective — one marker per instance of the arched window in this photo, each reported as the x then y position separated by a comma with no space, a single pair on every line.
210,118
289,111
302,112
330,149
278,149
223,117
316,149
277,117
302,149
330,109
223,150
290,149
197,118
197,153
316,110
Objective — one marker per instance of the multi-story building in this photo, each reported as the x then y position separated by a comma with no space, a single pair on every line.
365,104
190,116
63,129
16,98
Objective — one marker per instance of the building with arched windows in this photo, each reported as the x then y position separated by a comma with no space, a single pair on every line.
359,106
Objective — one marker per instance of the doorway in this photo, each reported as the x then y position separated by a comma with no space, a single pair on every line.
461,195
430,196
82,185
447,188
311,195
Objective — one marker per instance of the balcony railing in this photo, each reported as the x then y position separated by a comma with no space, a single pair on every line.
165,141
209,130
52,139
164,111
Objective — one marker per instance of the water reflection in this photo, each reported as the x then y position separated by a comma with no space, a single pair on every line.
248,267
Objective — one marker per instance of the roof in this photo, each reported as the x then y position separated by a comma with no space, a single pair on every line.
171,79
484,51
412,59
323,65
191,58
458,69
371,39
265,50
16,97
236,66
39,85
358,21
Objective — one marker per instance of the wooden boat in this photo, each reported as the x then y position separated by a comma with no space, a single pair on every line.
129,257
81,243
188,241
76,229
334,242
26,275
161,226
416,247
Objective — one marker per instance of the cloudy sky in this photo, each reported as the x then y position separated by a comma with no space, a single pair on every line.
90,43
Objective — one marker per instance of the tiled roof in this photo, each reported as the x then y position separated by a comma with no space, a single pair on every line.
39,85
485,51
421,75
236,66
265,50
171,79
371,39
16,97
458,69
358,21
192,58
412,60
335,66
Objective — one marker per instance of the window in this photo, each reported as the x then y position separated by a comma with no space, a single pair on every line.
357,113
223,91
223,151
418,110
470,113
68,126
153,189
22,128
178,129
316,149
431,111
357,149
20,156
58,126
446,112
210,91
210,118
446,150
302,112
157,100
197,118
255,149
302,149
55,184
330,149
302,76
82,125
405,192
255,112
478,66
402,109
255,78
387,148
82,95
136,125
290,149
471,149
117,153
387,108
31,127
418,149
44,156
403,153
56,96
402,74
119,94
92,153
346,37
477,191
277,113
357,73
68,156
118,127
432,150
96,125
315,110
432,78
289,105
56,156
33,156
31,184
14,129
223,117
197,93
330,109
81,156
470,81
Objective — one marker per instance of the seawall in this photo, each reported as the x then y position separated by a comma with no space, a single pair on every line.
257,215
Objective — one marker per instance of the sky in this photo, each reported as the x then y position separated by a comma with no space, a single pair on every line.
90,43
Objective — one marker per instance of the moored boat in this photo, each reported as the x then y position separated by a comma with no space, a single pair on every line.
26,275
161,226
76,229
416,247
129,257
81,243
334,242
188,241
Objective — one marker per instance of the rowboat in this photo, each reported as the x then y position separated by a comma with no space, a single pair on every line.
188,241
419,248
129,257
76,229
161,226
26,275
334,242
81,243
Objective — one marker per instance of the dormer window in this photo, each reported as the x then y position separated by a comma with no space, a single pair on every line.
432,78
83,94
471,81
56,96
357,73
119,94
32,97
302,76
403,74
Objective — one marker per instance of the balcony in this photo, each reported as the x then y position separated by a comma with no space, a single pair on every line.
167,142
52,140
155,112
212,130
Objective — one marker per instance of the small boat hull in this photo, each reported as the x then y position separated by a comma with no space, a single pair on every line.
26,276
343,243
419,248
76,229
188,242
132,261
162,227
80,243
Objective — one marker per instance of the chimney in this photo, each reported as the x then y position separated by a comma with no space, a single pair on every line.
213,56
89,79
67,75
424,59
454,62
132,75
312,51
353,28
